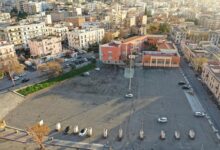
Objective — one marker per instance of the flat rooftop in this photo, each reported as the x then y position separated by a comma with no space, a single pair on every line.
157,53
165,45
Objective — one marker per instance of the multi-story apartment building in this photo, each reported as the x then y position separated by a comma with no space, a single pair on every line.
57,30
7,54
20,34
76,21
20,4
4,17
178,35
82,38
32,7
210,21
214,37
211,77
44,46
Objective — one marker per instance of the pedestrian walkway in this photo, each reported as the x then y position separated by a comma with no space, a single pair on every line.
8,101
80,145
15,135
194,102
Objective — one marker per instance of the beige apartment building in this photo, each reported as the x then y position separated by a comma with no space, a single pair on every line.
4,17
211,77
7,54
20,34
45,46
57,30
81,38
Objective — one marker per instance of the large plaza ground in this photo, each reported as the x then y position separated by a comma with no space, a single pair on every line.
98,101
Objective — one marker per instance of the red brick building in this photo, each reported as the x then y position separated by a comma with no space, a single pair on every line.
166,54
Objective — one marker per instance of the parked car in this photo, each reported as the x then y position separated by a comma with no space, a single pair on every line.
199,114
25,80
129,95
162,119
86,74
97,69
22,75
83,132
16,78
192,134
181,83
186,87
67,130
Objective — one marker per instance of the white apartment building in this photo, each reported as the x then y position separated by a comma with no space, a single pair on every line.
214,37
178,35
7,54
81,38
20,34
58,30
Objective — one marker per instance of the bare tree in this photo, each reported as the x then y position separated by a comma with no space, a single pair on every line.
13,67
38,133
52,68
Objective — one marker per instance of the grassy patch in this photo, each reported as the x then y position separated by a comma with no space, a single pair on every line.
39,86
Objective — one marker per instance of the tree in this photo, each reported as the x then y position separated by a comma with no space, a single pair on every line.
52,68
198,63
153,29
21,15
14,12
38,133
12,67
164,28
94,48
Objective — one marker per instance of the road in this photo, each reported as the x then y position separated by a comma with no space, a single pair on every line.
202,92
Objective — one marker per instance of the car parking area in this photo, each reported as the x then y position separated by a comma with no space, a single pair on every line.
98,101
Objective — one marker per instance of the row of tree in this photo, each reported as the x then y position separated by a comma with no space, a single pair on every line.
162,28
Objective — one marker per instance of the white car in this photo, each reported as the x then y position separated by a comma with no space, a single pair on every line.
16,78
199,114
86,74
129,95
83,132
97,69
162,119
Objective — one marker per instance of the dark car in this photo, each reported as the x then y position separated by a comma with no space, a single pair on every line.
67,129
185,87
181,83
25,80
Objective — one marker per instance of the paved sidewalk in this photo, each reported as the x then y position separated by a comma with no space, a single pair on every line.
9,101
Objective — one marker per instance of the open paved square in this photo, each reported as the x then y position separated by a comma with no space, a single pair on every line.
98,101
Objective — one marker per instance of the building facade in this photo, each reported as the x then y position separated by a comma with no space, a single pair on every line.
20,34
82,38
160,59
45,46
57,30
7,54
214,37
211,77
178,35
